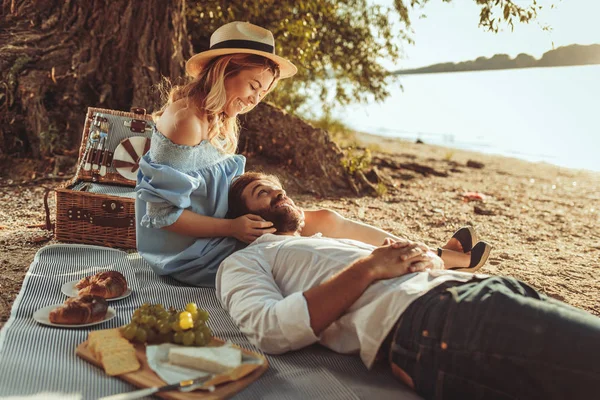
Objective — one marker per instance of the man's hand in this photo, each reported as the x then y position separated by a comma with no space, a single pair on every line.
400,258
329,300
390,241
431,261
420,248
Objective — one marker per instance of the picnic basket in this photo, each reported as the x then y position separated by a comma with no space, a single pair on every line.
98,205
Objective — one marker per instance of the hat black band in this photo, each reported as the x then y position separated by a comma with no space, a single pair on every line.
244,44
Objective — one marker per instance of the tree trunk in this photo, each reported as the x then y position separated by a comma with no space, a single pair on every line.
58,57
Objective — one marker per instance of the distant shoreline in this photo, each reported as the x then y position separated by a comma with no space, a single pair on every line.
573,55
398,144
416,72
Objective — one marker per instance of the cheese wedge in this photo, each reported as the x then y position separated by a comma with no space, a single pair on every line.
210,359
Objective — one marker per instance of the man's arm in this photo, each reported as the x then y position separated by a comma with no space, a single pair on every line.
328,301
273,323
276,324
332,224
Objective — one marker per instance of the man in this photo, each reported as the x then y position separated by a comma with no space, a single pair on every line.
447,334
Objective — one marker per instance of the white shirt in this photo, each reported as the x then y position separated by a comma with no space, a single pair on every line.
262,288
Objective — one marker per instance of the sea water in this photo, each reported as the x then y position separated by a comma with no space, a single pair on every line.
536,114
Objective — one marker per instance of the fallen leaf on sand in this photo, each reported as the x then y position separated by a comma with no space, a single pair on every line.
473,196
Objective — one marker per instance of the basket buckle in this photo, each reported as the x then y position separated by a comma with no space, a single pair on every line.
112,206
138,125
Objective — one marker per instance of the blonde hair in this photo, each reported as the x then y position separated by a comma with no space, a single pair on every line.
206,94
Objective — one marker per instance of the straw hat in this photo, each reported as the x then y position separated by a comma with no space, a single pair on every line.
240,37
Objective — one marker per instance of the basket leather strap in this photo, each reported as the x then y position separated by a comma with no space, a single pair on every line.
49,224
76,213
130,150
125,164
80,214
112,222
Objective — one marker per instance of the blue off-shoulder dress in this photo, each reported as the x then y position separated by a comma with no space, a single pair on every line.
173,178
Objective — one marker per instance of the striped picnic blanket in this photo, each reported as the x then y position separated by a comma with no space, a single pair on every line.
38,359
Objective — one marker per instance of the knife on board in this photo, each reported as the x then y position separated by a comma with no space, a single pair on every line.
183,386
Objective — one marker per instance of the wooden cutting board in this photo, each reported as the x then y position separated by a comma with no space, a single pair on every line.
145,377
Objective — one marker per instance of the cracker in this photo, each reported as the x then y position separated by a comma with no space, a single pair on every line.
97,347
96,337
104,333
120,362
113,349
116,354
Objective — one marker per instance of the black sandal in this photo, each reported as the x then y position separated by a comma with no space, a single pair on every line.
479,255
467,237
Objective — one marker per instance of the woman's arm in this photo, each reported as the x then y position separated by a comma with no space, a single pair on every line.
197,225
183,127
245,228
332,224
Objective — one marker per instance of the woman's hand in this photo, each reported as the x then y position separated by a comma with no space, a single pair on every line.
249,227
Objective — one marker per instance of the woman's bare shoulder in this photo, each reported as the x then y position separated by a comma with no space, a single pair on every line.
181,124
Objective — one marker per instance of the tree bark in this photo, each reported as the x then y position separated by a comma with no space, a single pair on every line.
58,57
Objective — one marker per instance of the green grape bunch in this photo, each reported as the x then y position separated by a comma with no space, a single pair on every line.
152,323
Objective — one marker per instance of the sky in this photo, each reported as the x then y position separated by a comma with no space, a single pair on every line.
450,32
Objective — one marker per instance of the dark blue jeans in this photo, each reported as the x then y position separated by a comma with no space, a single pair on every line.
497,338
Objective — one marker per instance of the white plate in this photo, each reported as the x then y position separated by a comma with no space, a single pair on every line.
138,143
41,316
70,290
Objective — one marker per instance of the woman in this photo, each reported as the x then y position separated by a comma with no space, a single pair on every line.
184,179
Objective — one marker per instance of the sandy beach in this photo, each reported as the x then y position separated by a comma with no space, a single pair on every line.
542,220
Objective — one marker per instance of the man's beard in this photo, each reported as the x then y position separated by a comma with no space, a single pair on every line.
284,219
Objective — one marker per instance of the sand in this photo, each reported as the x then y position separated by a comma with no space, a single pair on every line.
542,220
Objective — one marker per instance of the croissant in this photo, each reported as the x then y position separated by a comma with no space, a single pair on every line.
106,284
79,310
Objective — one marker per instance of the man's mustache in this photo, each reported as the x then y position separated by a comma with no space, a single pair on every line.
278,200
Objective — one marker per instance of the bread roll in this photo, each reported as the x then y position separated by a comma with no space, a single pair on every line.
106,284
80,310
